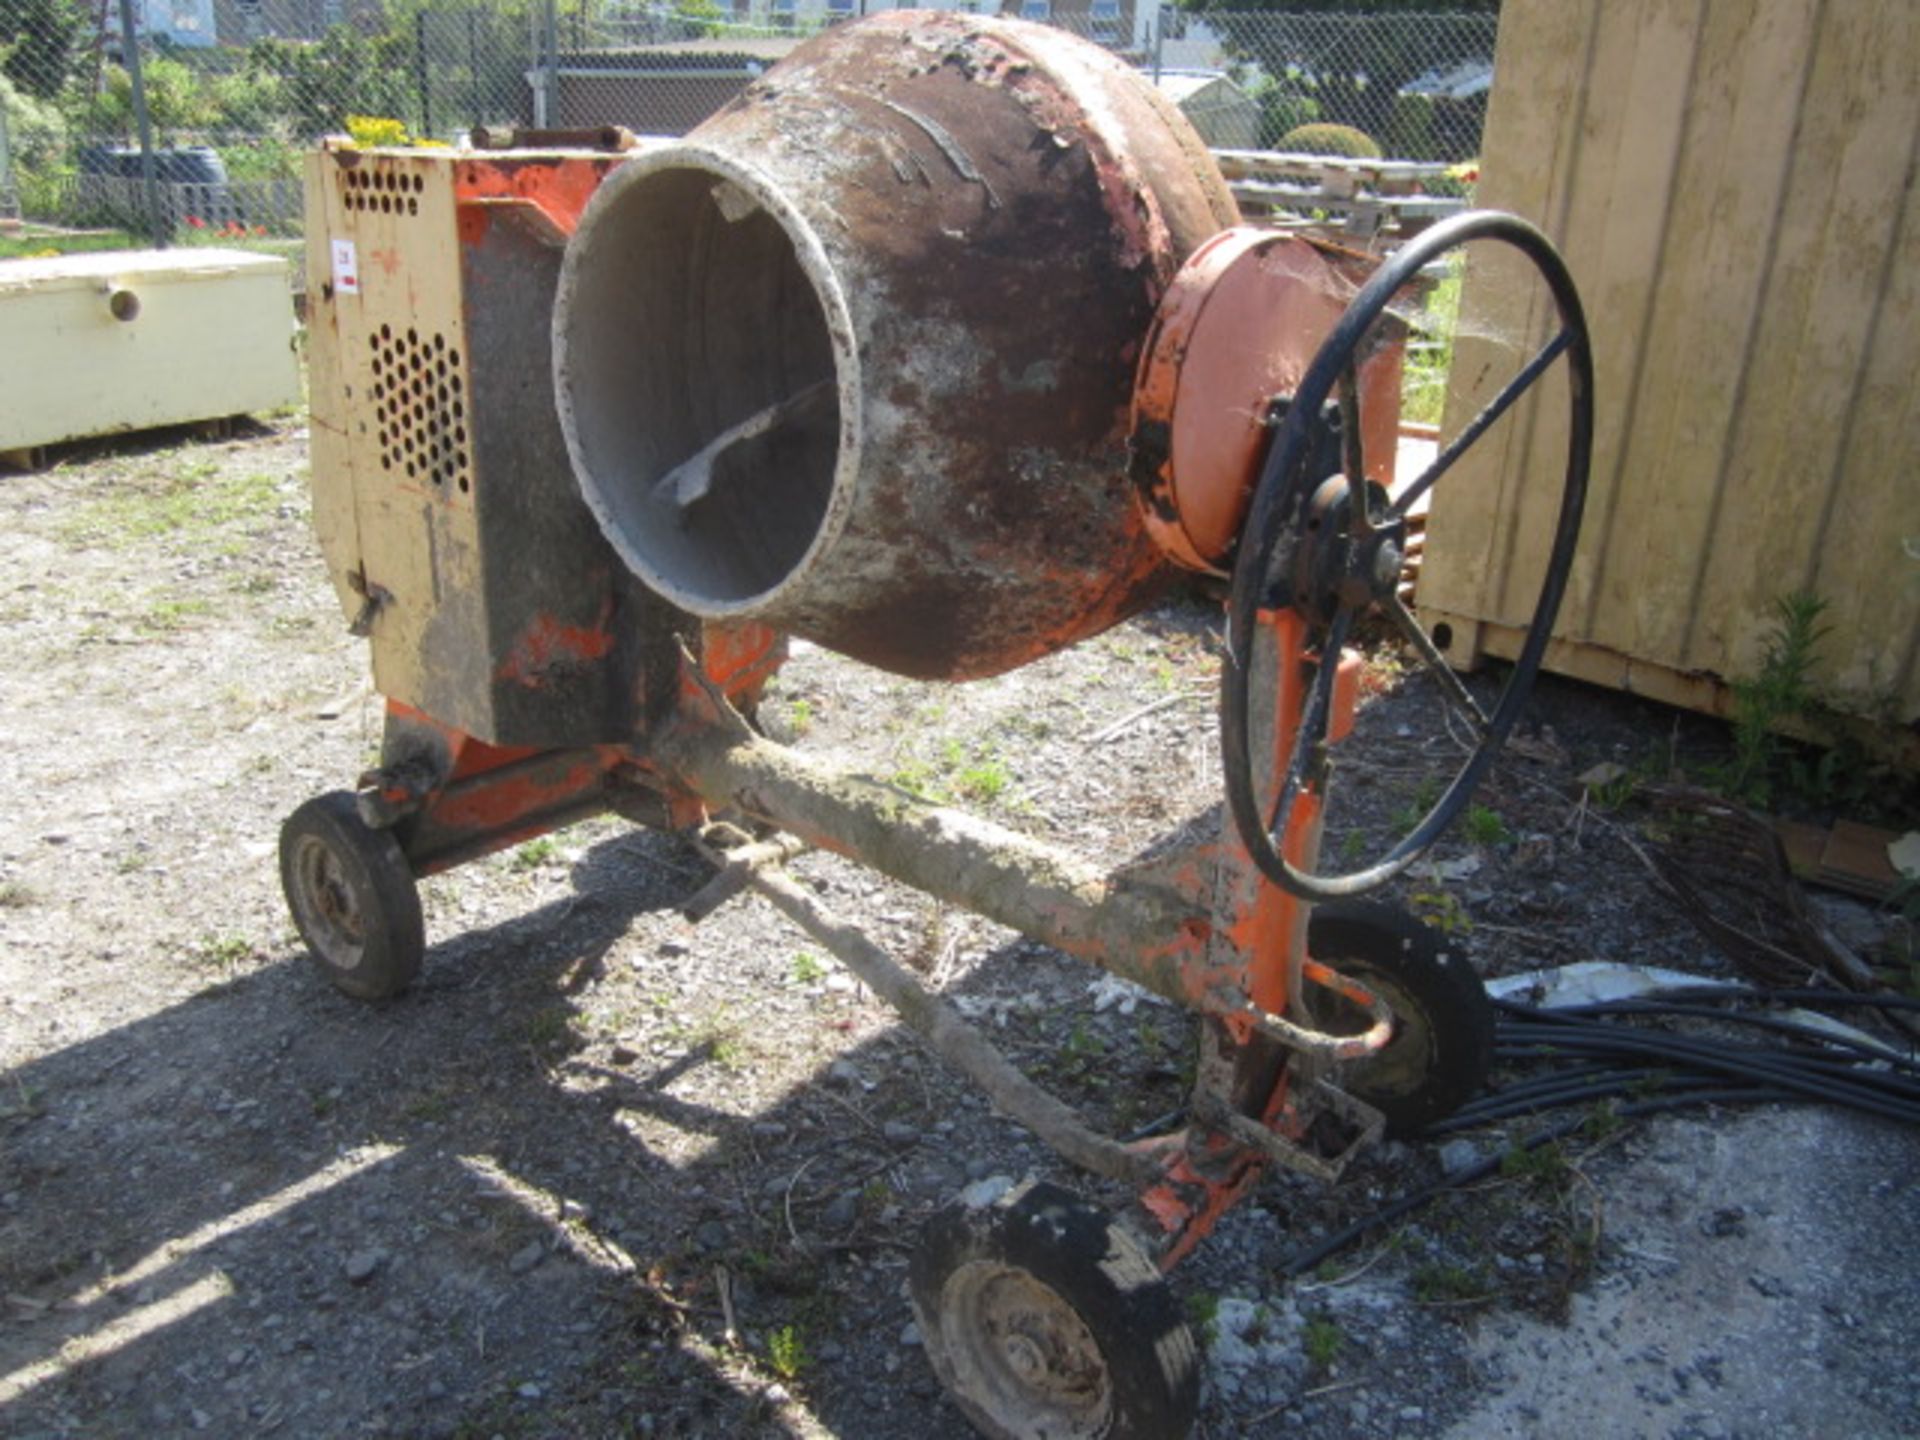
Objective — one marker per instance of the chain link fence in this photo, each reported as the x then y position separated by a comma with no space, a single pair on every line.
229,93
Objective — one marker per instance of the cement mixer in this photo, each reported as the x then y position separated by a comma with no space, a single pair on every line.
940,347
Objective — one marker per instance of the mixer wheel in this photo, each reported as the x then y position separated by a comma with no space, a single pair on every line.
353,898
1442,1041
1043,1317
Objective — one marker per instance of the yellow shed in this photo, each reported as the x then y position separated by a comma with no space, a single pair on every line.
1733,185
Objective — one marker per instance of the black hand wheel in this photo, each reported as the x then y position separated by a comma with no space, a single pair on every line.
1333,554
1044,1317
353,898
1442,1043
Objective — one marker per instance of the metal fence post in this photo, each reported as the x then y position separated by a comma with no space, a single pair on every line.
547,64
424,79
9,197
130,52
1159,38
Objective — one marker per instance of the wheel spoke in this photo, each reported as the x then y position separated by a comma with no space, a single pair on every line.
1451,684
1482,422
1310,740
1352,460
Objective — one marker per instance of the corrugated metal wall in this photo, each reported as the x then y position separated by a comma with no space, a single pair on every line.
1732,182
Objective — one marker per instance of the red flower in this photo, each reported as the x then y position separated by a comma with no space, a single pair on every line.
259,229
196,222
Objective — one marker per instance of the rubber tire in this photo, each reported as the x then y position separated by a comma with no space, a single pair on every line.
1435,996
372,882
1092,1263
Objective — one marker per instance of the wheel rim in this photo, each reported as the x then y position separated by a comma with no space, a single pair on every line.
1280,505
1023,1355
329,911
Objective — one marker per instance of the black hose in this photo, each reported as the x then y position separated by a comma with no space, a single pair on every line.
1302,1261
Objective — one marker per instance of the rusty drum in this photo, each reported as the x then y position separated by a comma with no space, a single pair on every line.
855,358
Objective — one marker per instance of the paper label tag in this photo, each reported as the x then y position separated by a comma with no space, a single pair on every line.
346,268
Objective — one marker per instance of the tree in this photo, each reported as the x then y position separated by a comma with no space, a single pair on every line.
1346,61
37,42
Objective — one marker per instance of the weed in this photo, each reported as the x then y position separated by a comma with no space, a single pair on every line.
1602,1120
535,853
193,502
15,895
1323,1343
983,781
1544,1165
431,1107
1147,1036
1203,1309
807,969
787,1352
547,1028
224,953
1782,691
1611,795
1423,799
166,616
1447,1282
1082,1044
1442,910
800,717
1423,388
1483,825
1353,844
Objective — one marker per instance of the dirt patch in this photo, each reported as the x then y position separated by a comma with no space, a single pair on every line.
605,1173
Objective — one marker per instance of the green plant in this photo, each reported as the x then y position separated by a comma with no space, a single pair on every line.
1442,910
547,1028
1449,1283
1781,691
1482,825
222,952
787,1352
535,853
1203,1310
1082,1043
1321,138
1424,796
800,717
1545,1165
1322,1342
807,968
1423,385
985,780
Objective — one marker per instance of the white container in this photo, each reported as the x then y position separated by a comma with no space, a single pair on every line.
126,340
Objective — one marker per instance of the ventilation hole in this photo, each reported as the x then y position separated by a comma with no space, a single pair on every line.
439,342
459,411
413,207
1443,636
386,332
453,358
465,485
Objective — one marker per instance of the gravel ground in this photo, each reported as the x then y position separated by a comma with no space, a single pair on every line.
606,1173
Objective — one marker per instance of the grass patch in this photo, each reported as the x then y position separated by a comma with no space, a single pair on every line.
194,501
34,247
1423,386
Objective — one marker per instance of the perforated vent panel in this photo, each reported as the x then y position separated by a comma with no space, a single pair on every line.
421,408
385,190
